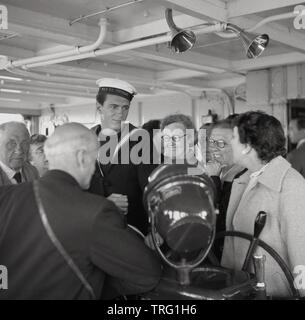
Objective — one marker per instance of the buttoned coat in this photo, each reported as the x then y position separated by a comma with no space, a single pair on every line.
280,192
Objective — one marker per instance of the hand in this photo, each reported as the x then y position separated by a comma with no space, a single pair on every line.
213,168
120,200
149,241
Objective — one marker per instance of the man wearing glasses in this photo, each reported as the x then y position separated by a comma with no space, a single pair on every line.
116,176
14,149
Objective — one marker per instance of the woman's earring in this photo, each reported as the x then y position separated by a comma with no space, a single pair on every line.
244,151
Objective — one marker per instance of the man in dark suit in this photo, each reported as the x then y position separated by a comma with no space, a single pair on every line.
297,135
59,242
118,175
14,149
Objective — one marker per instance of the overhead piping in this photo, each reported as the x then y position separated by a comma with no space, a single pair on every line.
56,79
91,51
218,27
74,51
278,17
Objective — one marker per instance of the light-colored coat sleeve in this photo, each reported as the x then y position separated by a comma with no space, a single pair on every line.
292,225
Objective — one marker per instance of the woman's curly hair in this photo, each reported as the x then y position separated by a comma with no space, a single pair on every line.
180,118
262,132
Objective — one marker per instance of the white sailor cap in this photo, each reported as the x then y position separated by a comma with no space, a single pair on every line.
117,87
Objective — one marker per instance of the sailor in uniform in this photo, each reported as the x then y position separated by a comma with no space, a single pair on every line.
118,177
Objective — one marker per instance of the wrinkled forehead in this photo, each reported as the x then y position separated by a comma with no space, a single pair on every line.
15,132
221,134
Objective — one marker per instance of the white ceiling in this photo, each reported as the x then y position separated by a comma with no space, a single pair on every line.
41,27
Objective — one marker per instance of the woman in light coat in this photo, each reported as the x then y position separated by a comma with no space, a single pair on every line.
269,185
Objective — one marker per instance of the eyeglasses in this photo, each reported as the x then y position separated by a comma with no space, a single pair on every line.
219,143
175,138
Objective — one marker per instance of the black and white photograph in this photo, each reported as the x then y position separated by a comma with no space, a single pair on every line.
152,153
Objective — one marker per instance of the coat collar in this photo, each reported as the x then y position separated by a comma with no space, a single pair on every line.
273,175
61,176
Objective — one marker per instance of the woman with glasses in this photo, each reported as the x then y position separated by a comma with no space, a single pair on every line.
221,168
179,137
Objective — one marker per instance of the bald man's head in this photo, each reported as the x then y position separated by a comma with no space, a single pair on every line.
68,138
14,144
73,148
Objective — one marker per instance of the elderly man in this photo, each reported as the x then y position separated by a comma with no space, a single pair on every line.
14,148
59,242
117,176
297,135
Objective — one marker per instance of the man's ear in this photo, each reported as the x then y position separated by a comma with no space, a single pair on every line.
247,150
81,158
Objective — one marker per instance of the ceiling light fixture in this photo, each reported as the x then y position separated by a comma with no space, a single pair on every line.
182,40
254,46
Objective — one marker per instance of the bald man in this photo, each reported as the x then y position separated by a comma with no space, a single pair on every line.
59,242
14,149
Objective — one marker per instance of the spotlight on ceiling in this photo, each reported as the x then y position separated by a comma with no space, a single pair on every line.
254,46
182,40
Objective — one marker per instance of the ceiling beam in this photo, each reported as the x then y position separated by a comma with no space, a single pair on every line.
88,69
95,69
49,28
179,74
33,89
219,84
32,97
202,9
38,84
153,28
191,60
243,7
16,53
17,107
269,61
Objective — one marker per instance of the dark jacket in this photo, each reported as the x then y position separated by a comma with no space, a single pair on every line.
297,159
90,229
127,179
222,201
